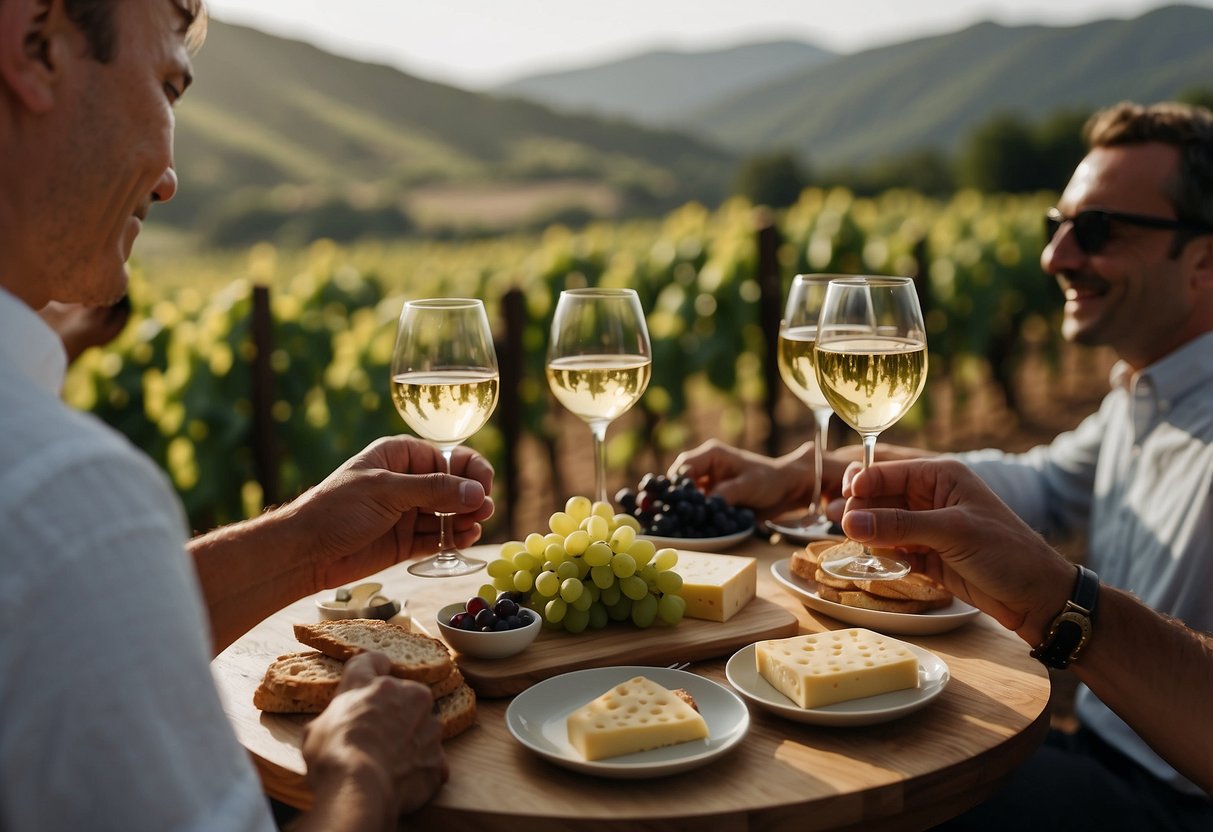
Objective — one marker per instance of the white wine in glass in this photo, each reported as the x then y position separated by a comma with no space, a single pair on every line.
444,385
872,365
797,362
599,361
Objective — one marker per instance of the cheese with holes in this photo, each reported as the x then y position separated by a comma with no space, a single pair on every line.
716,587
635,715
824,668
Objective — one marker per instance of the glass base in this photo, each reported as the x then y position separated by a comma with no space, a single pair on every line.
803,532
438,566
866,568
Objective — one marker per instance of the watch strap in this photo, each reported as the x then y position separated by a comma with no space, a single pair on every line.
1070,631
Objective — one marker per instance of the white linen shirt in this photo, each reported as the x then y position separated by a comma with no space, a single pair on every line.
1137,477
109,716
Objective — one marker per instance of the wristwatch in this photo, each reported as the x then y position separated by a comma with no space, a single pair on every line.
1071,629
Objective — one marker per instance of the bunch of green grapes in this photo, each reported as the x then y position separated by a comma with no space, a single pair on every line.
590,569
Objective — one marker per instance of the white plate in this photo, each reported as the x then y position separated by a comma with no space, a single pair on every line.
793,535
743,674
536,717
701,544
903,623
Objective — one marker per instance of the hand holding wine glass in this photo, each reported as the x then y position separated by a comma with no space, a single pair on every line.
797,368
599,361
444,385
872,365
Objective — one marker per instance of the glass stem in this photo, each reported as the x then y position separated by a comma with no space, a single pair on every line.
598,430
869,453
822,417
446,536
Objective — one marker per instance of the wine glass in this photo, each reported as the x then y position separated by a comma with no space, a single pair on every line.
599,361
796,358
871,364
444,385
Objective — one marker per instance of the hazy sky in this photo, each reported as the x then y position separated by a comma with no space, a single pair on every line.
480,43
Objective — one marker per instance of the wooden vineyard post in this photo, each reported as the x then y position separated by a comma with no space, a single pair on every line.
770,313
264,439
509,405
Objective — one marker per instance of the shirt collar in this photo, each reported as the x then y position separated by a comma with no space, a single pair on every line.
1174,375
28,344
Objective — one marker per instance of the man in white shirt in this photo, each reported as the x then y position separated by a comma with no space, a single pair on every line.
1131,245
108,615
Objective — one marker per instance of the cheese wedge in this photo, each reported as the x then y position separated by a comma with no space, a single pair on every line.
716,587
635,715
824,668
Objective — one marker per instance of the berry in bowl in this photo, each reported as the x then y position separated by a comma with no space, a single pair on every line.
488,631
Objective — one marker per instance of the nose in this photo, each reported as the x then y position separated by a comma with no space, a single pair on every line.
1062,253
166,186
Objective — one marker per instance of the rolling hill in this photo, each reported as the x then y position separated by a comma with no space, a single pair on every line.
931,92
663,88
277,122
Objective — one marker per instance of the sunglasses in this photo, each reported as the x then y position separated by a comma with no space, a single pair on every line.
1093,228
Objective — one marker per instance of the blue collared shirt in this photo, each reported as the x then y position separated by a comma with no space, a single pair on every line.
1137,478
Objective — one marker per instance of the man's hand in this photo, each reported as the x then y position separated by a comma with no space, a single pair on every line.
378,508
769,486
956,530
375,752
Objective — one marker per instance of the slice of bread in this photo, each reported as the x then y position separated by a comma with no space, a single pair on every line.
413,655
914,586
266,700
305,683
862,600
306,677
447,686
829,580
456,711
803,565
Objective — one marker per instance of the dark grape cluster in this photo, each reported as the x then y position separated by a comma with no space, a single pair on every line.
677,508
505,614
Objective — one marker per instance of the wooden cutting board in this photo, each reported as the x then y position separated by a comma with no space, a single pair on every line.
555,651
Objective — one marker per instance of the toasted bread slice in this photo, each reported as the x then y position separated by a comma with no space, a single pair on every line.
306,677
413,655
272,701
803,565
447,686
826,579
266,700
456,711
863,600
813,551
914,587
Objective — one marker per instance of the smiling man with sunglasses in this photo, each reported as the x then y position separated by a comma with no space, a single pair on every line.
1130,243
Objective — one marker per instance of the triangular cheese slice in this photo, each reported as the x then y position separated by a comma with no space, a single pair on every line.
636,715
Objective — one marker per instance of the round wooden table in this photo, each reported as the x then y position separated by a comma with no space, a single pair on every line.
905,774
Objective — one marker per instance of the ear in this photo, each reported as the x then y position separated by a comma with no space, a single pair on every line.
1200,254
37,40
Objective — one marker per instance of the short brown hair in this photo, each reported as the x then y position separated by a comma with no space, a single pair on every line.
1188,128
95,18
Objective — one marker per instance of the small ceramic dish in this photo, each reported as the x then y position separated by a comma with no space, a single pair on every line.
363,601
490,645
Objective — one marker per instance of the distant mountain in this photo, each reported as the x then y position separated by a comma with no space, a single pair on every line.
663,88
932,92
266,112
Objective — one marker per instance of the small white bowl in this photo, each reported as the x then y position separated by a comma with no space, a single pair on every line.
494,645
331,610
